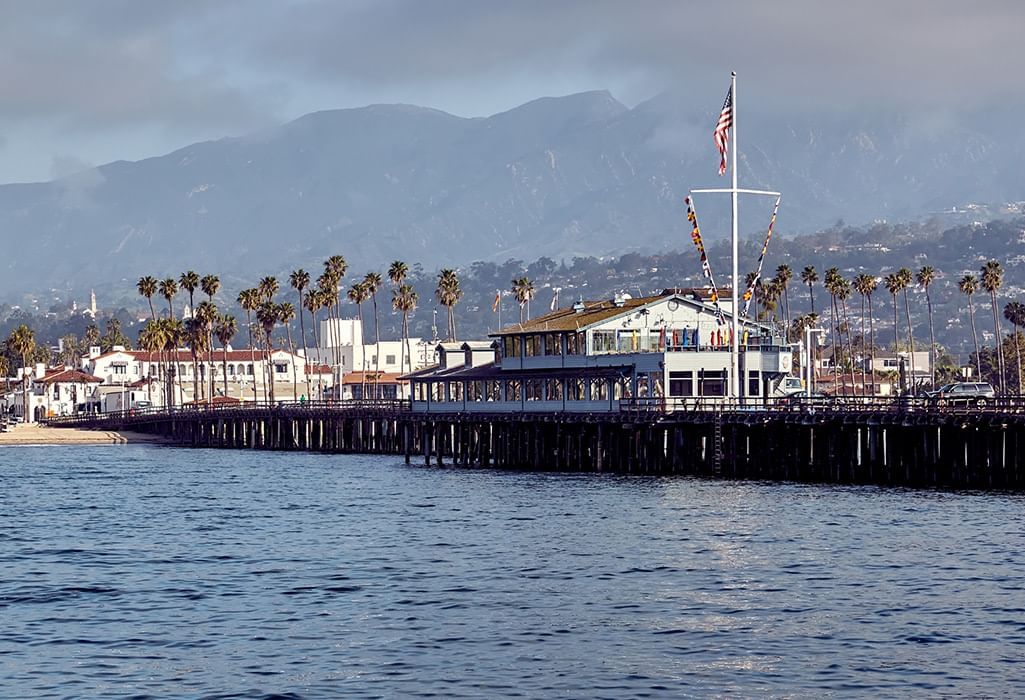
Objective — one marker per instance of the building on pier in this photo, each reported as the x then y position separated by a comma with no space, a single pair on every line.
668,350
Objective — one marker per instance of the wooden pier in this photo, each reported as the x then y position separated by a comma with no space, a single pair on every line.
843,444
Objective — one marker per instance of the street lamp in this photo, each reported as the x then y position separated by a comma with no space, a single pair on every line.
809,363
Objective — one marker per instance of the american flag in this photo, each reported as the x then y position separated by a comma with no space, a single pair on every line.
721,135
498,300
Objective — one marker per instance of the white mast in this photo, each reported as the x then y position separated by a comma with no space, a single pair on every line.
734,191
735,334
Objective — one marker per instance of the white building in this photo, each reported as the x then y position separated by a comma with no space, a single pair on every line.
341,346
53,392
668,350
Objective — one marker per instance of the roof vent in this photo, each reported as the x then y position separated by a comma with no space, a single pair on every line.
618,300
579,305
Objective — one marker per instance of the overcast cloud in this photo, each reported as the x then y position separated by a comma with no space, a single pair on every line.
106,79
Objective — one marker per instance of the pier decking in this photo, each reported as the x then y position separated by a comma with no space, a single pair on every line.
852,441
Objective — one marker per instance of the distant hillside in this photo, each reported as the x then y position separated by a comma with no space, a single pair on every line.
576,175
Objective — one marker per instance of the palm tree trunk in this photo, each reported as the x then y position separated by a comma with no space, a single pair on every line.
270,369
811,295
306,356
252,352
864,380
850,342
871,344
224,368
932,341
316,343
975,338
1017,351
834,330
377,348
291,351
1000,345
363,355
911,337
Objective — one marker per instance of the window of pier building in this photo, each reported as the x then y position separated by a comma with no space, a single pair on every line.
599,389
754,384
419,391
511,346
513,390
649,385
532,389
475,390
437,391
681,383
532,346
712,383
603,341
553,389
553,343
492,390
231,370
455,390
576,389
622,388
575,344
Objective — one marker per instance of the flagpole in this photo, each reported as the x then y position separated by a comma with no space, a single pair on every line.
734,350
498,293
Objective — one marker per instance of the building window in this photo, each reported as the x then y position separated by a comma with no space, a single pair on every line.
513,390
437,390
553,344
231,370
492,390
576,390
280,368
119,369
389,359
603,341
553,389
419,391
599,389
712,383
681,384
533,346
753,384
475,391
455,391
511,346
249,370
575,344
532,389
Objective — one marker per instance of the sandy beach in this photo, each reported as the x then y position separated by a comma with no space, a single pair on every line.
42,435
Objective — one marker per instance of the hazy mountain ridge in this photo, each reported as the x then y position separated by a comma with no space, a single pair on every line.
575,175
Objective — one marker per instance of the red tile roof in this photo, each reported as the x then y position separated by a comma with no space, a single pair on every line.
54,376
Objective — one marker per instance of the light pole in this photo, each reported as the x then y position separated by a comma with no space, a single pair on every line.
809,364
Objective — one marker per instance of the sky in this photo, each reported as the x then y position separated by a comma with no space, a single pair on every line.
83,83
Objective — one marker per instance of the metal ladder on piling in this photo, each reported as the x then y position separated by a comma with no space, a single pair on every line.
717,445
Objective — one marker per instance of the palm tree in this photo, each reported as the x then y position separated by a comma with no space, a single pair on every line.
195,339
865,285
784,274
147,287
968,285
286,314
168,288
249,300
225,330
267,288
523,291
831,284
404,300
397,273
906,279
358,293
173,334
315,299
92,335
894,285
210,284
23,342
372,280
268,314
992,280
335,268
1014,312
189,281
300,280
206,313
809,277
151,340
449,293
925,277
843,293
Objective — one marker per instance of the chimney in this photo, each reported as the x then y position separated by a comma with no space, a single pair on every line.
94,352
40,370
578,306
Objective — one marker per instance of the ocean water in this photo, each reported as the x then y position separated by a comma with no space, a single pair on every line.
141,571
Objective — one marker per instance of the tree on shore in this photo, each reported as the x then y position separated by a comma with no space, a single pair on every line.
300,280
358,293
1014,312
968,285
865,285
22,341
925,277
906,278
147,287
397,273
249,300
809,277
992,280
268,314
449,292
784,275
168,288
225,329
404,300
373,280
523,291
189,281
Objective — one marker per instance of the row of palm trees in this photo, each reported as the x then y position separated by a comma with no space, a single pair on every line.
840,290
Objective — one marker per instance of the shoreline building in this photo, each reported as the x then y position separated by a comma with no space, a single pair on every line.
667,351
363,370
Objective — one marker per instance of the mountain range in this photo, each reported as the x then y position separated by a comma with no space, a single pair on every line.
562,177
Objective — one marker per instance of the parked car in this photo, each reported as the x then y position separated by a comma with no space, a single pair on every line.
963,393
